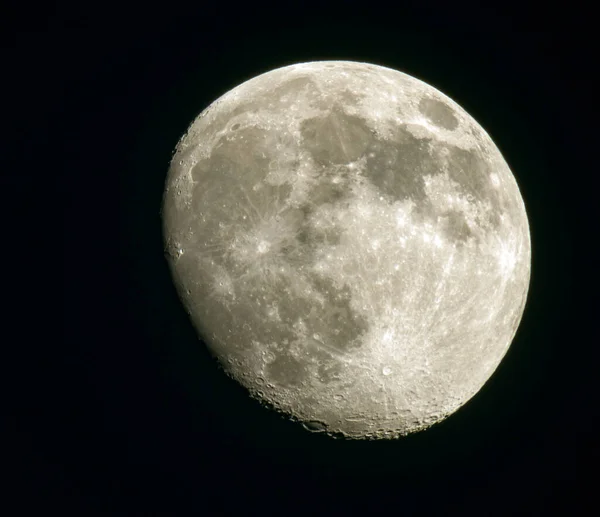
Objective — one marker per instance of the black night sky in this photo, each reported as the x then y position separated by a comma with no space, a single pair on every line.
122,411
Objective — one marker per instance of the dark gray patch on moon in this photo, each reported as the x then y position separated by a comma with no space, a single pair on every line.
286,370
307,237
335,138
326,192
291,90
438,113
333,330
333,321
239,158
314,238
471,171
455,227
396,166
338,324
277,98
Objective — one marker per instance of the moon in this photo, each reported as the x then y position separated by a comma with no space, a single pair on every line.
350,244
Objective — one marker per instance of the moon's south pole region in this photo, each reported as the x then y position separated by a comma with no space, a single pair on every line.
350,244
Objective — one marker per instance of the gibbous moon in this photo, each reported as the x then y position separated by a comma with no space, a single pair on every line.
350,244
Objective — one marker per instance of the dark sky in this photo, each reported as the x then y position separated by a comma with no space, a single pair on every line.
121,412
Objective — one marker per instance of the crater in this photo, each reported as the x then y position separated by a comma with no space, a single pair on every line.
315,426
438,113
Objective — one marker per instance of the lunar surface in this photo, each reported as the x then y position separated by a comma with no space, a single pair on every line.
350,244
